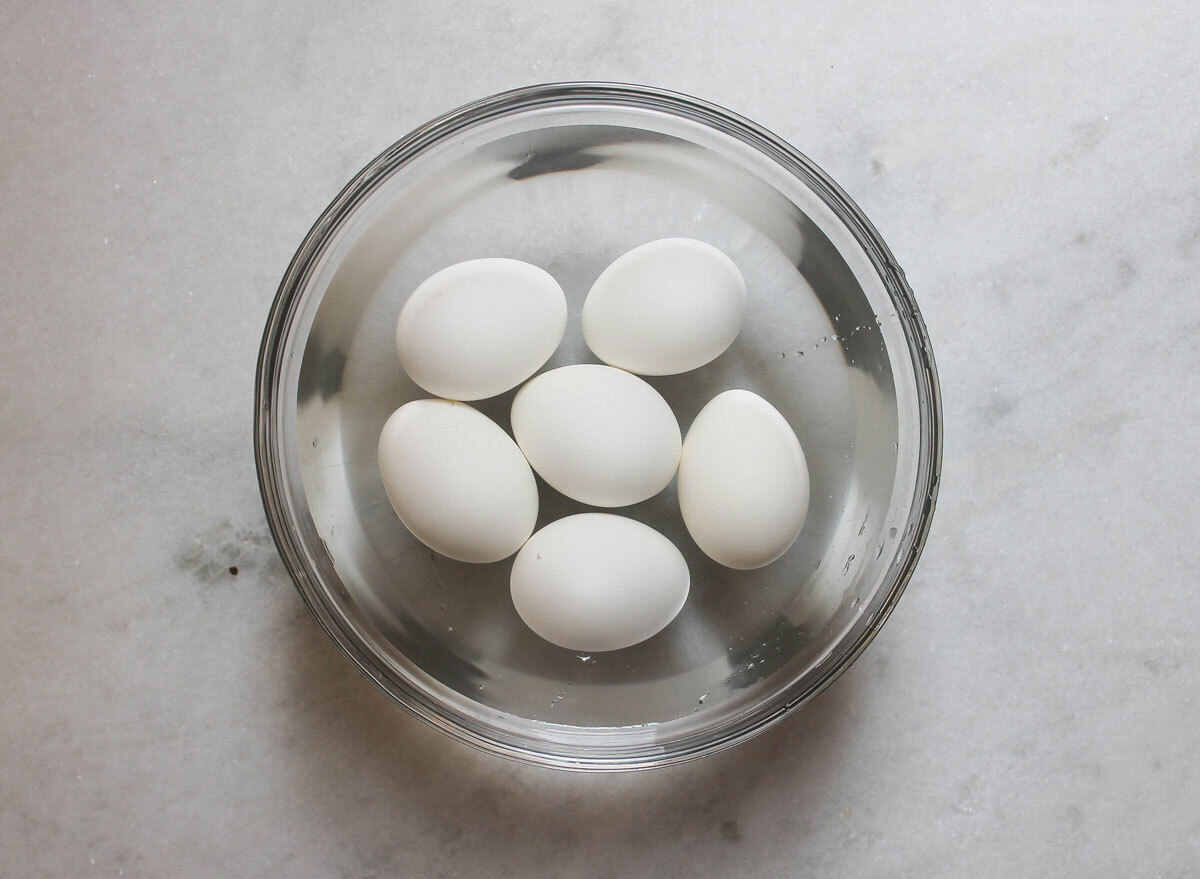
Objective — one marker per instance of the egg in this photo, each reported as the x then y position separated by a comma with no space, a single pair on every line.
743,481
597,434
479,328
457,481
597,581
665,307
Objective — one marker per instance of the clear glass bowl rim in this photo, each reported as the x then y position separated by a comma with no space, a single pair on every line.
272,477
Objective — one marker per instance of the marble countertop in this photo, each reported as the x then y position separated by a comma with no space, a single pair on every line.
1031,709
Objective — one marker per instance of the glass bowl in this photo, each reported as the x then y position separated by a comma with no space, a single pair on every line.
568,177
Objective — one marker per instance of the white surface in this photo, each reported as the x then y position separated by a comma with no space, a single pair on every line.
597,434
743,481
595,581
457,481
665,307
1031,709
479,328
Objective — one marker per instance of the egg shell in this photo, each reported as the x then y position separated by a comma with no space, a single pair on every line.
665,307
457,481
479,328
743,481
597,581
597,434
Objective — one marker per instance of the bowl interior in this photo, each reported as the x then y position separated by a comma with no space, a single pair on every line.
569,186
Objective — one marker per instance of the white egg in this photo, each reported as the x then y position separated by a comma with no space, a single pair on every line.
596,582
743,481
457,481
479,328
597,434
665,307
